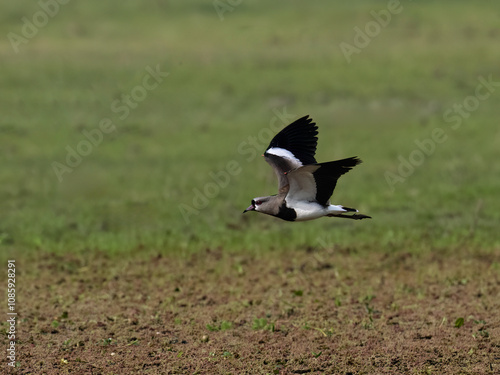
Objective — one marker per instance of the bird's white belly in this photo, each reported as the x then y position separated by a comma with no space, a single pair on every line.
309,211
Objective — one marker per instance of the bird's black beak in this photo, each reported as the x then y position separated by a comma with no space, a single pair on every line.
251,208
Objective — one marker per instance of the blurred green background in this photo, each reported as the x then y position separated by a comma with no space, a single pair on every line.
231,70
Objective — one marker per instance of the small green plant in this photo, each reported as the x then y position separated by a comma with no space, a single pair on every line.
366,302
212,328
368,324
66,344
368,298
222,326
298,293
484,333
262,324
107,342
481,332
459,322
133,341
259,323
316,355
239,269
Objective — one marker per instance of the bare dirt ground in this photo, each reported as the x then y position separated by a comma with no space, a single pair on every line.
336,311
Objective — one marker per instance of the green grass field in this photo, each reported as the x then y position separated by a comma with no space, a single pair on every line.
246,73
226,81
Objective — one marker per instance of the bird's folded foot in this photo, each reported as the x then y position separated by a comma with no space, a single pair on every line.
353,217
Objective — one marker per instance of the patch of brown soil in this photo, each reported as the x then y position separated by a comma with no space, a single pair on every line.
311,312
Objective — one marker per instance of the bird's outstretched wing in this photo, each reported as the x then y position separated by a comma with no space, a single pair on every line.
292,148
316,182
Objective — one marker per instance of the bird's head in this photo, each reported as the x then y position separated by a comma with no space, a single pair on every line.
258,204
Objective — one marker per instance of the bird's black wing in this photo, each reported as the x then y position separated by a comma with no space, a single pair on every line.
327,175
316,182
299,138
292,148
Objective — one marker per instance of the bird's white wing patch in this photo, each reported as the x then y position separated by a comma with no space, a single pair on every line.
302,185
283,153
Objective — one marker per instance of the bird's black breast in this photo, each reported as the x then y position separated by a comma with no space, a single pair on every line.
286,213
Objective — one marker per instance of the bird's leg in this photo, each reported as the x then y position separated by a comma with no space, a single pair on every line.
354,217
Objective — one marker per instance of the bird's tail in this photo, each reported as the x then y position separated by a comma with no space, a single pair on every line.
337,209
349,209
340,211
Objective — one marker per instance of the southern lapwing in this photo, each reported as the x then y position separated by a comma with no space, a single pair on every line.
305,186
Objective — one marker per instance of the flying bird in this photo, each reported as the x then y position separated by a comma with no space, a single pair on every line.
304,186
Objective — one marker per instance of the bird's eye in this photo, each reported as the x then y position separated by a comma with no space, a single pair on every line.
258,202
